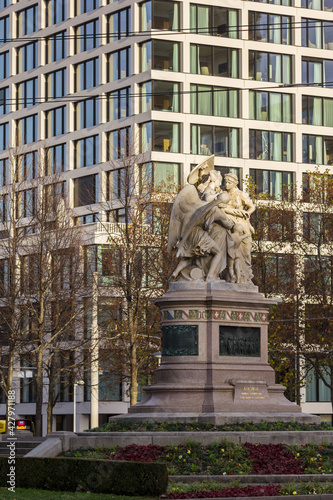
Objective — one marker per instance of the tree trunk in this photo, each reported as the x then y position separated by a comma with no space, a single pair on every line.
134,376
39,395
50,401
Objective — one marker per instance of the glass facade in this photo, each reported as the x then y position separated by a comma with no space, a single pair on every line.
269,145
271,28
271,106
160,15
216,21
317,149
160,96
208,140
269,67
160,54
214,61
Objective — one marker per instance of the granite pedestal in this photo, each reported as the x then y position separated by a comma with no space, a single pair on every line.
214,363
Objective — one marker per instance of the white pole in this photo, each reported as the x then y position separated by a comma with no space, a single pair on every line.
94,356
74,408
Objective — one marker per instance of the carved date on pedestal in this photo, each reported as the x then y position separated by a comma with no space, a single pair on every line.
239,341
180,340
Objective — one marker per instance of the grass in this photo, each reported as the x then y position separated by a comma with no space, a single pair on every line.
292,488
22,494
126,426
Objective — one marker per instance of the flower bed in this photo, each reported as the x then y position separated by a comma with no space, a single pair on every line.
224,458
245,491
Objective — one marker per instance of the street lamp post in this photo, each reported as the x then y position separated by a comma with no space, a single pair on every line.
80,382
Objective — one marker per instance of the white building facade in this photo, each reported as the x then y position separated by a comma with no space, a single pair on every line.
248,81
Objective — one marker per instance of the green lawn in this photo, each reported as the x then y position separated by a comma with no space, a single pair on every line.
22,494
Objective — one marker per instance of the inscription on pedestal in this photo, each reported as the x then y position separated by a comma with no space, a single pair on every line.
250,392
239,341
180,340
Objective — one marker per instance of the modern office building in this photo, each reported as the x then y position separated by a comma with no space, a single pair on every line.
248,81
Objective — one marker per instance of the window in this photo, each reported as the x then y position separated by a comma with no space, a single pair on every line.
56,11
27,21
316,390
28,388
317,110
3,136
55,122
160,136
269,28
208,140
217,61
118,143
271,106
119,64
120,184
86,113
317,72
26,166
287,3
269,67
160,96
275,272
86,36
55,47
4,30
161,175
318,281
26,203
318,4
109,382
317,188
26,130
64,360
85,190
27,57
55,84
86,152
82,6
4,208
268,145
86,75
4,100
4,172
4,4
118,104
55,159
159,14
27,93
118,25
274,224
317,228
159,54
317,149
218,21
214,101
53,194
274,183
317,34
4,65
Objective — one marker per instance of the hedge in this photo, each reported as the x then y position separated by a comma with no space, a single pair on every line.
78,474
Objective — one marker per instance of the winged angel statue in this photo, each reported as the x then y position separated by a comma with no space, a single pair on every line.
211,228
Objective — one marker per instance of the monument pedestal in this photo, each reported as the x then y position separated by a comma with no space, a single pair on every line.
215,359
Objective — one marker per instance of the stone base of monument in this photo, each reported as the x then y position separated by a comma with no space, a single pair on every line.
214,365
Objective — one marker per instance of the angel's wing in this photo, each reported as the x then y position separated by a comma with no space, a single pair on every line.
186,201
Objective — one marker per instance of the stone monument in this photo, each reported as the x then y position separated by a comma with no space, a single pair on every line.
214,364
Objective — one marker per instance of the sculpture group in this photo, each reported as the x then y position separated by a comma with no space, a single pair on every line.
211,228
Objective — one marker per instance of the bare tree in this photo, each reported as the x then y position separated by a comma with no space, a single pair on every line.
134,265
294,259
